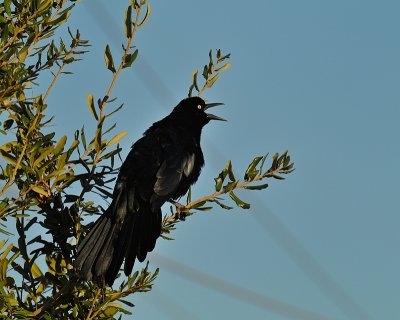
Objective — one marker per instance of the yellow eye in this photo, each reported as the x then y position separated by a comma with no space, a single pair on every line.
199,107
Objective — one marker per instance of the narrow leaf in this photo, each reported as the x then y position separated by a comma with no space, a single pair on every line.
116,138
130,58
128,22
60,145
251,171
230,171
146,16
39,190
230,186
239,203
109,59
226,66
210,83
258,187
90,103
222,205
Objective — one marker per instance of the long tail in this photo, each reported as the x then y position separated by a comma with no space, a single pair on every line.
120,233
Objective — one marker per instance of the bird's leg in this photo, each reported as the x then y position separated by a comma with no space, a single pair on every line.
181,211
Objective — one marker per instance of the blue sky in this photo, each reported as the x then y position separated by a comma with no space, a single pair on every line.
319,78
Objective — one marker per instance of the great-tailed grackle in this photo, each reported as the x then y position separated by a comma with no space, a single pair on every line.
161,166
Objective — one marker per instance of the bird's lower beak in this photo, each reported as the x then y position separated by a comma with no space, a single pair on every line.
212,116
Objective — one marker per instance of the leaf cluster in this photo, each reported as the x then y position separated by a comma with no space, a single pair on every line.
211,71
25,45
47,181
227,183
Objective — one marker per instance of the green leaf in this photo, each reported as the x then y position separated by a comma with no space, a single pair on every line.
39,190
262,163
97,140
130,58
221,177
128,303
230,171
83,137
210,56
61,19
230,186
222,205
36,272
204,208
6,252
226,66
128,22
2,243
109,59
194,78
251,171
8,124
258,187
7,7
8,157
90,103
210,83
198,205
44,5
239,203
274,164
116,138
222,58
60,145
43,155
205,72
146,16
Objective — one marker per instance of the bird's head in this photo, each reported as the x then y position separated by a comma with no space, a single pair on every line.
193,110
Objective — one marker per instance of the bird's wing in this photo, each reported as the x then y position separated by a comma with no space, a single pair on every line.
171,173
176,166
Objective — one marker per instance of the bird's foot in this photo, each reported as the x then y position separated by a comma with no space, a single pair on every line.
181,211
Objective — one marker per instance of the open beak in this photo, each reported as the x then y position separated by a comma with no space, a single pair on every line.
212,116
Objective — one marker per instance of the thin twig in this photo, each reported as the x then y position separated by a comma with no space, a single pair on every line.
89,315
214,195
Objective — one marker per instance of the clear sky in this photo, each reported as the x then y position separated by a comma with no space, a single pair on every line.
319,78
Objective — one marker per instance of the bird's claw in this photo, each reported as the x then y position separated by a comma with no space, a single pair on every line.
181,211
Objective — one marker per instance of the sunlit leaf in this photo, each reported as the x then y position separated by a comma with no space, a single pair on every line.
109,59
116,138
226,66
36,272
40,190
90,103
210,82
60,145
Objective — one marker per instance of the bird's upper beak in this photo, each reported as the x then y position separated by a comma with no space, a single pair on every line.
212,116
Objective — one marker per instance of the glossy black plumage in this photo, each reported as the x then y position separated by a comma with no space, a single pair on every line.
162,165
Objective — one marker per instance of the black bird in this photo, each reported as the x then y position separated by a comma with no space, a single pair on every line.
161,166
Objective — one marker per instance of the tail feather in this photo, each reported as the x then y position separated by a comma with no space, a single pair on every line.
118,234
91,247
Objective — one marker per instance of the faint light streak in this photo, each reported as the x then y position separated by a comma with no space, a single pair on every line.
309,265
235,291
